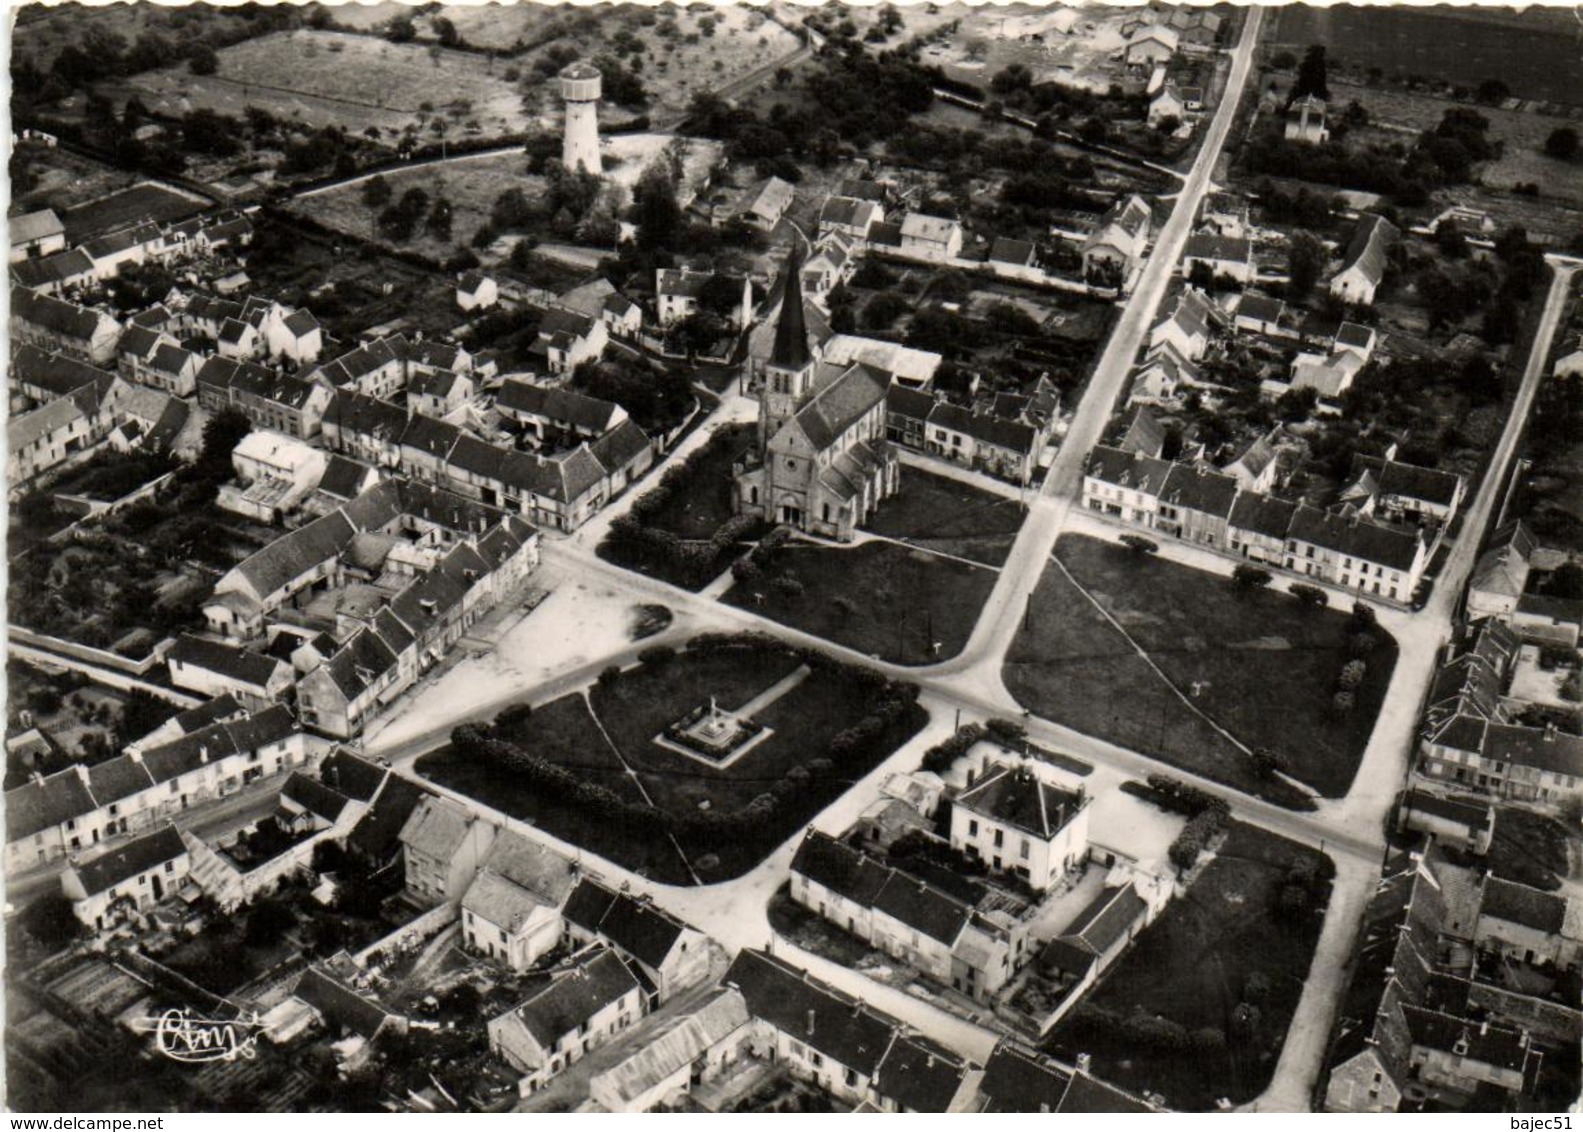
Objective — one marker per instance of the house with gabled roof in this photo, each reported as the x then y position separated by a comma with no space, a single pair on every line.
676,296
511,912
36,234
1305,121
56,325
1229,256
120,882
918,1074
691,1050
1152,45
560,1023
763,203
548,412
1023,1080
1525,924
931,237
1500,577
443,844
1256,467
669,955
342,1008
1461,825
1189,325
214,668
476,291
1016,822
569,338
850,217
1115,248
55,274
1364,263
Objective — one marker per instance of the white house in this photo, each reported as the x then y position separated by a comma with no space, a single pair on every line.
36,234
1230,256
1151,45
118,883
476,291
1016,822
511,912
213,668
1116,246
562,1022
1569,362
1305,121
1363,266
933,237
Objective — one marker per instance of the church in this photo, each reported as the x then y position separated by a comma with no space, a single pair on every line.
821,463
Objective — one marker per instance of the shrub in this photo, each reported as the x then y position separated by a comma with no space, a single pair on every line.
1311,596
1196,835
609,675
943,755
1182,797
1363,616
1267,763
1140,545
1352,674
787,586
1246,577
657,656
1361,644
513,715
1343,702
1008,732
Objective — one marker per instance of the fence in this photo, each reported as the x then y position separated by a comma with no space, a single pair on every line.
410,934
90,655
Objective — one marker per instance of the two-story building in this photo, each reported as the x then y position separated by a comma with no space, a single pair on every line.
443,844
1016,822
118,883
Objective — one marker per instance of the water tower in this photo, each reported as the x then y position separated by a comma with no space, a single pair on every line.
580,85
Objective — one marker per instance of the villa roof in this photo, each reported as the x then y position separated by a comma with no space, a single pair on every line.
1018,797
314,796
1357,537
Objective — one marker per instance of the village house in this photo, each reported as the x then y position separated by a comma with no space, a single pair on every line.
1461,825
511,912
764,203
1391,1045
1150,46
1166,105
1225,214
443,844
1569,357
1305,121
676,296
821,463
36,234
1015,822
438,394
136,243
476,291
569,339
1099,935
44,438
562,1022
831,265
1189,325
55,275
1008,449
849,217
931,237
694,1049
213,668
1115,248
1364,263
1525,924
268,399
554,417
670,955
62,327
1019,1079
1230,257
73,809
108,889
274,474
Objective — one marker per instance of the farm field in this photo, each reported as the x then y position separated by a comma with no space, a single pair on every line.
146,201
1259,664
1233,940
62,180
584,732
1073,46
325,78
1535,53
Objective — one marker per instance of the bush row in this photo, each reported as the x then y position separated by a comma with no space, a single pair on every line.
943,755
1196,835
1183,797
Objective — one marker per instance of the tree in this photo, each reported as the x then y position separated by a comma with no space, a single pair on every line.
1305,262
1492,92
1311,597
376,192
1312,73
1140,546
1248,577
221,434
655,210
1562,143
721,294
445,31
439,222
202,60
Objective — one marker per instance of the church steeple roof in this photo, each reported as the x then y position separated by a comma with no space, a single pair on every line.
791,330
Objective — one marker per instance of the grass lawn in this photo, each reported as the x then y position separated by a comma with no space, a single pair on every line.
879,598
140,202
637,707
942,514
1265,667
1195,966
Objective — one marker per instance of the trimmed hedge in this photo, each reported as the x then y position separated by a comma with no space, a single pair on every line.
943,755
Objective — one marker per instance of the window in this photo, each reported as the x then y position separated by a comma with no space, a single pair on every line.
815,1059
1000,838
1026,849
972,829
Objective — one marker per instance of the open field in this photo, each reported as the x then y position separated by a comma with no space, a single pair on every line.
42,30
146,201
1534,52
635,708
1219,949
324,78
471,184
61,180
879,598
942,514
1264,668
